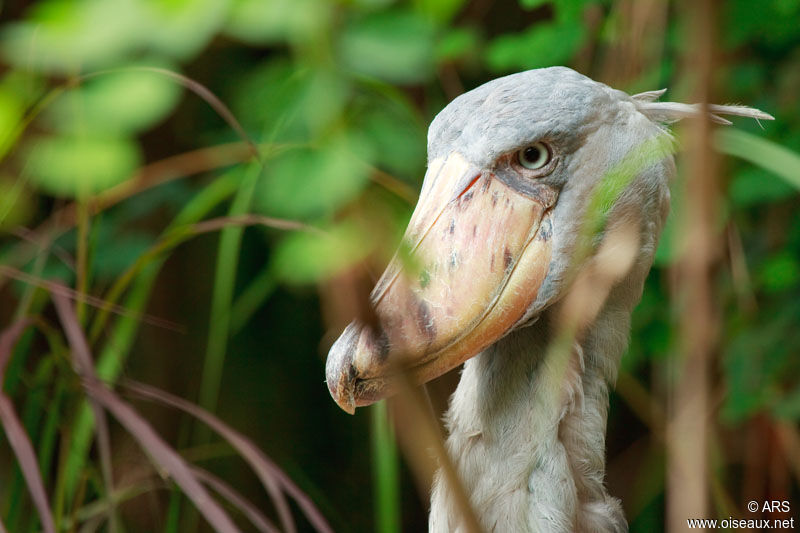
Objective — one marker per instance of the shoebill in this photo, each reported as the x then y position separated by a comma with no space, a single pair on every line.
526,191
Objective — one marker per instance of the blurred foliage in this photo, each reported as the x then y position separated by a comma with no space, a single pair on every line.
110,168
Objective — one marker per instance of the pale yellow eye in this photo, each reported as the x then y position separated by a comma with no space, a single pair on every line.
534,156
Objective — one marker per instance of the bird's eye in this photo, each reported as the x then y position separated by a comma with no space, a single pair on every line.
534,156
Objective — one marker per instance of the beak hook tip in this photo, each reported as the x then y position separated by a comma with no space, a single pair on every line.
340,370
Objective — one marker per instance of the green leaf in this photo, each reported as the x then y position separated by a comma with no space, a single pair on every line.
265,22
16,204
571,11
66,36
747,77
290,103
752,186
670,244
780,272
70,166
396,46
762,152
788,407
440,11
306,257
394,133
120,102
531,4
542,45
759,359
456,43
182,28
750,22
372,4
786,8
281,84
118,251
309,182
617,178
744,373
11,110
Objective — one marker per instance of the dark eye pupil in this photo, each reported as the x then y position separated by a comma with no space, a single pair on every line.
531,154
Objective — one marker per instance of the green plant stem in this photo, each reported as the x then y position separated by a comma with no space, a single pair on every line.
109,366
385,471
32,302
211,196
219,320
251,299
26,302
172,522
222,299
82,258
47,439
117,348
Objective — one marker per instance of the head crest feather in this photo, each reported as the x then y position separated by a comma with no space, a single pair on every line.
669,112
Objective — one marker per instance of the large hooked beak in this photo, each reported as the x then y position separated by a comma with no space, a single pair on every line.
478,251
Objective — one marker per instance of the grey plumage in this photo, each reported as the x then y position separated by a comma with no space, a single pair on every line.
526,432
528,469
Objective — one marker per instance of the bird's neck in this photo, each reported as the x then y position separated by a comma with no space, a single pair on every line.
527,430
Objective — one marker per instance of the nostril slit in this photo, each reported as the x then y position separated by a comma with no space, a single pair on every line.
470,185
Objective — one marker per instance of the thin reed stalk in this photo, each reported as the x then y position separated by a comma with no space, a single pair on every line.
688,485
385,471
161,453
